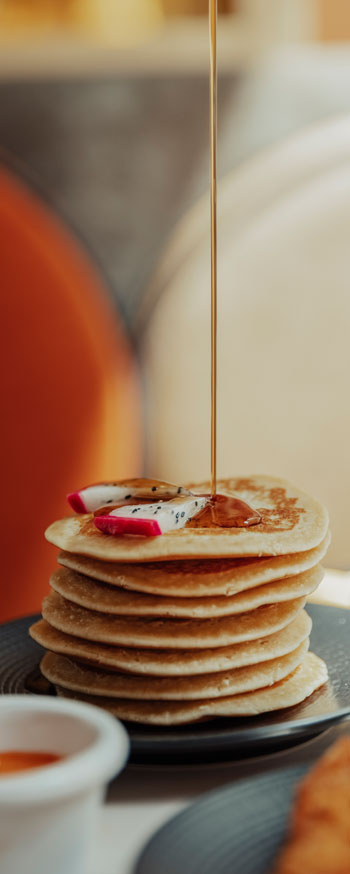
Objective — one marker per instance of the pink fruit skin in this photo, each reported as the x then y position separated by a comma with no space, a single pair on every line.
127,525
76,502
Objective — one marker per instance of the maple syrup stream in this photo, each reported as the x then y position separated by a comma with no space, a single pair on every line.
222,511
213,232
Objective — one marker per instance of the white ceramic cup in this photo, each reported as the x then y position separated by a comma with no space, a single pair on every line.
47,815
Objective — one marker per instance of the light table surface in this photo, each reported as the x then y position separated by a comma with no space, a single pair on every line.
143,799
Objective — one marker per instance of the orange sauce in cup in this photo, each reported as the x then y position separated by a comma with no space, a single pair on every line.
13,761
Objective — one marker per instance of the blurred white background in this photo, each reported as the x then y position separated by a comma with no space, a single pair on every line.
104,105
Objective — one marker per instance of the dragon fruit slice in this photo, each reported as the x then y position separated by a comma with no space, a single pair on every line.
89,499
151,519
131,525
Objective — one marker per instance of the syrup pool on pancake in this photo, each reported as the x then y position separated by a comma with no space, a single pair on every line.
163,507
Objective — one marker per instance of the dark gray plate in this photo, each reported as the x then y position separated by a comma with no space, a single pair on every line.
234,830
219,739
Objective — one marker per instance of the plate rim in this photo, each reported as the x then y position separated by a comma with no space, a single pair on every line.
293,771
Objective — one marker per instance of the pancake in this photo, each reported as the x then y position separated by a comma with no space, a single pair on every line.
174,663
291,522
109,599
167,633
307,677
70,675
200,578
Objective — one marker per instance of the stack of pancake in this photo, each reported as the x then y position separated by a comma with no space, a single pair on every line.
191,625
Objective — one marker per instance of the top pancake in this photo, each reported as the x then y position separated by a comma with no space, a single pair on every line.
291,522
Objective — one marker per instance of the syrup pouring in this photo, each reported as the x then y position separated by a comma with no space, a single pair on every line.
172,507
